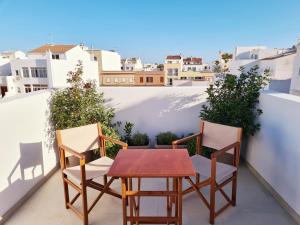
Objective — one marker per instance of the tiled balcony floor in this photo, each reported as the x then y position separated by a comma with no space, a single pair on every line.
255,206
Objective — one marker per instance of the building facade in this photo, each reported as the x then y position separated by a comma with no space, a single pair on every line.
132,78
132,64
178,68
47,67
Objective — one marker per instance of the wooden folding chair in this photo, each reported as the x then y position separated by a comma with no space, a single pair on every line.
224,139
74,142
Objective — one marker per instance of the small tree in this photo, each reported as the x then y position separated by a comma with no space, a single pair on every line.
81,104
233,100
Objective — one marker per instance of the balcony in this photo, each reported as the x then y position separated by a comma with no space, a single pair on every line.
268,185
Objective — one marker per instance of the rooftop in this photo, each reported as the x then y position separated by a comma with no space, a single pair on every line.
53,48
267,191
174,57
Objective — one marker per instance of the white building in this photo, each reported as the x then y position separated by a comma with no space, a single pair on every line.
273,58
132,64
47,67
295,82
195,64
107,60
150,67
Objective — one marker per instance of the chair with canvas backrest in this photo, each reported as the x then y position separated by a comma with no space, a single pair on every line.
224,140
74,142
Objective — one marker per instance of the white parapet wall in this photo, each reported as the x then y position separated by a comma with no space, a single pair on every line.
275,151
27,155
157,109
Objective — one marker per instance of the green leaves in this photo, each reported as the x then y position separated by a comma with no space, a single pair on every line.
81,104
233,100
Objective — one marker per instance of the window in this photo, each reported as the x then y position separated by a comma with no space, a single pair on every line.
194,69
123,79
38,72
141,79
299,71
107,80
176,72
38,87
161,79
27,88
116,80
130,80
17,72
170,72
95,58
149,79
19,90
25,72
55,56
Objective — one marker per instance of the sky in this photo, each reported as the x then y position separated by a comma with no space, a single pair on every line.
150,29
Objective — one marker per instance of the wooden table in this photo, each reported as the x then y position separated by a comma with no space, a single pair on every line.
152,163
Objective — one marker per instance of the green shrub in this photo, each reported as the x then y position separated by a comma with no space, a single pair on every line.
233,100
128,132
166,138
139,139
81,104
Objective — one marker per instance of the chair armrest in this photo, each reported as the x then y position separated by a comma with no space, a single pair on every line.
185,139
121,143
225,149
72,151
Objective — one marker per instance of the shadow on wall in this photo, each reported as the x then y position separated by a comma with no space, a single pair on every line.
28,170
173,112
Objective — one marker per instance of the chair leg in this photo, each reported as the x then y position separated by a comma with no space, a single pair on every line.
66,192
84,204
234,189
212,201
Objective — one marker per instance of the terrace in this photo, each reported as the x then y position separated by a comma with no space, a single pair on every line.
31,188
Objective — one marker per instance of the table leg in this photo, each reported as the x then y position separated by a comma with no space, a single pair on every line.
124,202
175,188
179,200
130,200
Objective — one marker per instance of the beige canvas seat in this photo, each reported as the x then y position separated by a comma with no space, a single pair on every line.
224,140
74,142
202,165
95,169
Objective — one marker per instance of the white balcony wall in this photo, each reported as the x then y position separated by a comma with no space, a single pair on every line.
27,155
157,109
275,151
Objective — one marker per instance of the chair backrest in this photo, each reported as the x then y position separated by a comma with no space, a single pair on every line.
218,136
80,139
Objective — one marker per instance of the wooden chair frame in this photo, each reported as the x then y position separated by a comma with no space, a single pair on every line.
82,189
211,181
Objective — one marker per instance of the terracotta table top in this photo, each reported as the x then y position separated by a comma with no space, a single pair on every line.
152,163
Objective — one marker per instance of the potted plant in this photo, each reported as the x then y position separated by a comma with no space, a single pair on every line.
80,104
137,140
233,100
164,140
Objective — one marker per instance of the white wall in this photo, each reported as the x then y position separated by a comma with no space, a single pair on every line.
26,153
275,151
110,61
295,83
4,67
157,109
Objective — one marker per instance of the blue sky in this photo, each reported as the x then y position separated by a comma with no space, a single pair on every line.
150,29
